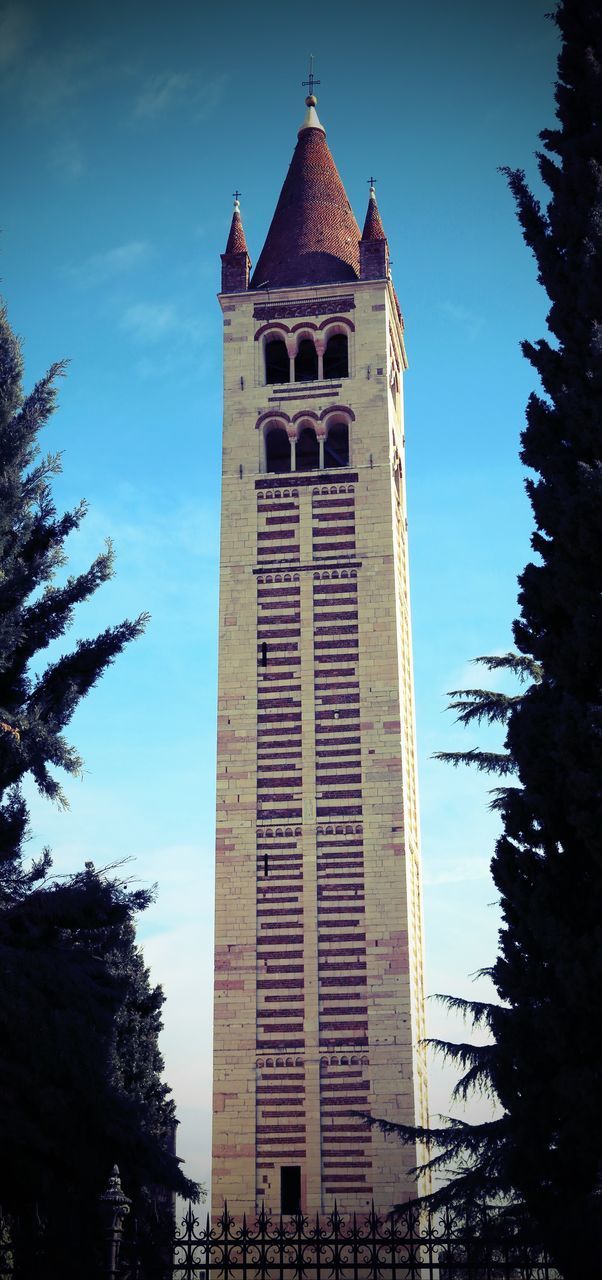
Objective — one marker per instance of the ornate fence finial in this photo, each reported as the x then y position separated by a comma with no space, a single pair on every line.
115,1206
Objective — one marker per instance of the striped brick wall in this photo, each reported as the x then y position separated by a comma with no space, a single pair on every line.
318,984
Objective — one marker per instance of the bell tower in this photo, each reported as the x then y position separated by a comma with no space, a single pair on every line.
318,963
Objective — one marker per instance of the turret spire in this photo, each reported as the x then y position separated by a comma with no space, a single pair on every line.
374,250
373,227
236,239
236,263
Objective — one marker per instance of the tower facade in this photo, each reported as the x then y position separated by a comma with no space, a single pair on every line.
318,969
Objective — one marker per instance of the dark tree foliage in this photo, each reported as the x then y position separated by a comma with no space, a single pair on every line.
80,1068
34,610
544,1065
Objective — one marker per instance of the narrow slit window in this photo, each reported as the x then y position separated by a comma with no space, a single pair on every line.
290,1188
264,654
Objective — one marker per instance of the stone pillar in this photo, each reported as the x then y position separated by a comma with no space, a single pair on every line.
320,343
292,344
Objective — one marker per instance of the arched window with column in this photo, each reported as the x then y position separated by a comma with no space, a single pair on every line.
277,450
307,451
336,445
336,356
306,361
277,363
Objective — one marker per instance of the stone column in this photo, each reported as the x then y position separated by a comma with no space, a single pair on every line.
292,344
291,431
320,342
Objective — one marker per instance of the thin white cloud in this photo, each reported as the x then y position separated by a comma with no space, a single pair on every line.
150,322
167,90
460,872
15,32
162,91
170,341
68,157
209,95
469,322
111,263
47,81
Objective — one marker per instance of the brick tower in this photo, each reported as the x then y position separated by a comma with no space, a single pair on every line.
318,970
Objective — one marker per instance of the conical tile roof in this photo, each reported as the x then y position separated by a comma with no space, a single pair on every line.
313,237
373,227
236,239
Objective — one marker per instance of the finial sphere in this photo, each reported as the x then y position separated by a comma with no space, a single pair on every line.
311,100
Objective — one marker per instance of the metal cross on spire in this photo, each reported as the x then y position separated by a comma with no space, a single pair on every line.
371,182
312,80
236,195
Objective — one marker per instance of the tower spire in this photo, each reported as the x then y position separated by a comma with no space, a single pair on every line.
374,250
236,239
373,227
236,263
313,237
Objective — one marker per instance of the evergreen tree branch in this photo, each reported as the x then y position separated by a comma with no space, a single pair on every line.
476,705
519,664
486,761
480,1012
50,616
63,684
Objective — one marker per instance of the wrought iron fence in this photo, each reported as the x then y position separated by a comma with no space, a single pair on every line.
414,1245
472,1244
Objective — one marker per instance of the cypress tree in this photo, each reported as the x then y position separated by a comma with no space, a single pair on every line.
545,1065
548,860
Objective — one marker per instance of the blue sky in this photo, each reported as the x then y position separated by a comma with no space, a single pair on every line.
129,126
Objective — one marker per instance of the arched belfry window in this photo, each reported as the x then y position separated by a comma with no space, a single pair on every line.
306,362
277,363
336,357
336,447
308,450
277,450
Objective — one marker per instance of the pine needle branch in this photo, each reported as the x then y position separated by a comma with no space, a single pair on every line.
519,664
486,761
482,704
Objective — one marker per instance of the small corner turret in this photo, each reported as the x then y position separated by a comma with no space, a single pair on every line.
374,248
236,263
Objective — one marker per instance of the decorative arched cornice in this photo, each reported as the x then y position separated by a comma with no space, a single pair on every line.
270,494
341,320
326,490
276,416
289,1061
342,410
305,422
308,325
273,326
272,833
306,413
